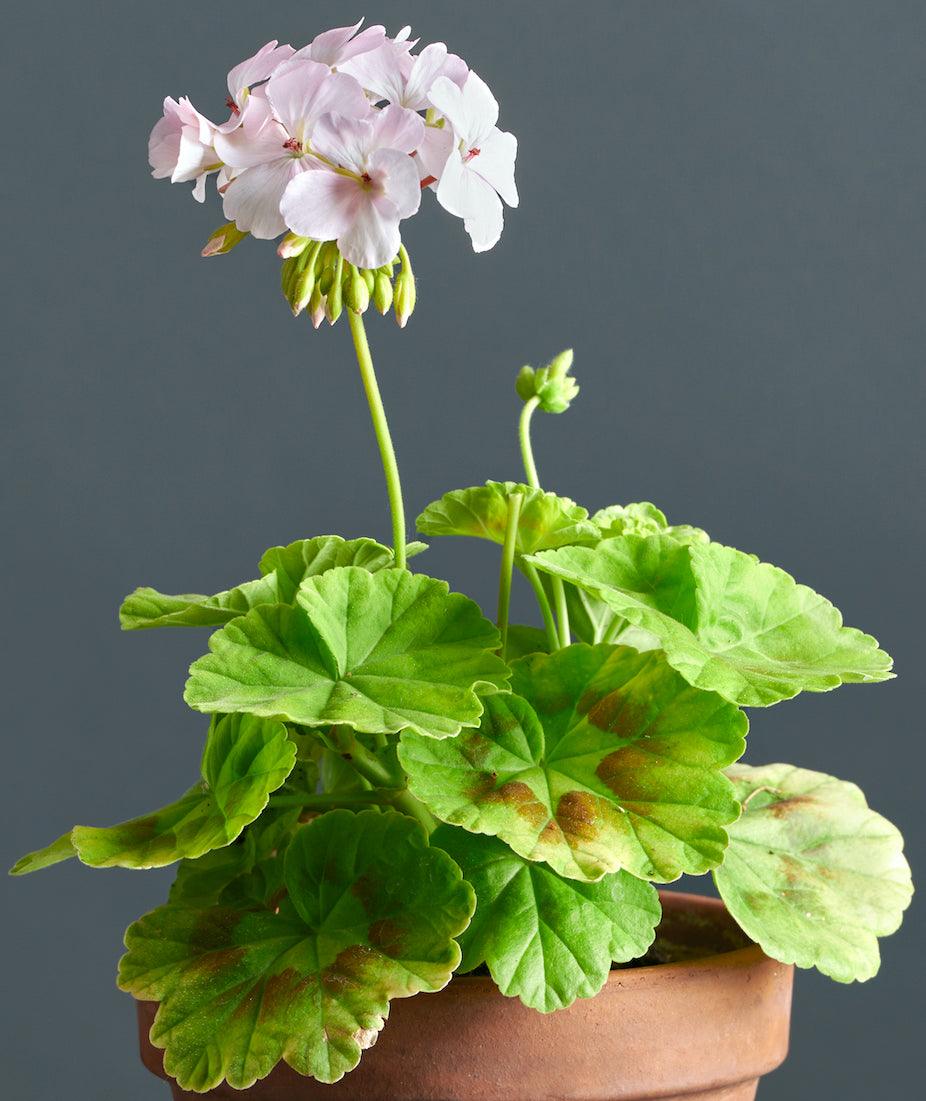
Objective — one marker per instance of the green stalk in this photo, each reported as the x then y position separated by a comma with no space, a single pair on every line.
504,579
381,428
546,611
563,636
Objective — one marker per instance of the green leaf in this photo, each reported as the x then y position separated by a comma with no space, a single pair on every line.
643,518
727,622
371,915
248,870
526,640
482,511
244,760
545,939
310,557
812,874
145,607
614,763
375,652
282,568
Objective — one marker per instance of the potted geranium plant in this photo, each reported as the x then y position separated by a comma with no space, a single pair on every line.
398,795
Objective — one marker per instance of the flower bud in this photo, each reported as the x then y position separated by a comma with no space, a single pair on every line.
552,385
357,296
404,297
303,286
223,240
382,292
292,245
369,277
316,307
334,302
326,280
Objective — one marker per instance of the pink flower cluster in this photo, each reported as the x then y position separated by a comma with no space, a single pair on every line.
337,140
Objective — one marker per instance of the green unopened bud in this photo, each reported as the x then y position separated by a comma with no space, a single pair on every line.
369,277
316,307
357,295
326,280
224,240
303,287
334,302
552,386
382,292
292,245
405,294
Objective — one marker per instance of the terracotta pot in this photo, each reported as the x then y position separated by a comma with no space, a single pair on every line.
705,1028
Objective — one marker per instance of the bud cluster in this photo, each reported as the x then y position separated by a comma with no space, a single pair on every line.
552,386
316,278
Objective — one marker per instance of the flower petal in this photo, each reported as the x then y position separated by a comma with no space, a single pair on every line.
342,43
256,68
373,239
381,72
259,139
397,128
397,174
302,91
321,204
495,164
467,195
432,153
252,199
471,110
426,68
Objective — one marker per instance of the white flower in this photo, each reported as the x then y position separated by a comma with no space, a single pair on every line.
392,74
271,147
371,186
180,147
481,166
336,46
253,70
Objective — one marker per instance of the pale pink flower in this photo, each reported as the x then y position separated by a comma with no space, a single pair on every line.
180,147
272,145
336,46
361,204
392,74
251,71
480,167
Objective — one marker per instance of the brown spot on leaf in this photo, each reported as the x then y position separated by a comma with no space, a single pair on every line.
521,799
577,814
612,712
349,969
783,807
367,890
388,936
280,991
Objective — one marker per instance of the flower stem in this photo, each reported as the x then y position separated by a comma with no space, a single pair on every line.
562,633
504,579
545,610
381,428
524,434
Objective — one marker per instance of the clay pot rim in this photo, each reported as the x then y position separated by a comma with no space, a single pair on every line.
750,955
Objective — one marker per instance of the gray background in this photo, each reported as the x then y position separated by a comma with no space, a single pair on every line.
722,210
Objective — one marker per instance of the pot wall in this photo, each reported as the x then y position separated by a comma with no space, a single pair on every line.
706,1029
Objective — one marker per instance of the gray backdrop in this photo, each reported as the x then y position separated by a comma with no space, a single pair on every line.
722,212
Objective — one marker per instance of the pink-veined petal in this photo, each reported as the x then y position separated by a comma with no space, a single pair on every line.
471,110
397,175
467,195
255,69
380,71
373,238
321,204
426,68
302,91
495,164
193,158
252,199
397,128
342,43
164,141
345,141
259,139
432,153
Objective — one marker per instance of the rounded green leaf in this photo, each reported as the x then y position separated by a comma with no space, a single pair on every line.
371,915
643,518
602,758
283,569
375,652
727,622
545,520
545,939
244,760
812,874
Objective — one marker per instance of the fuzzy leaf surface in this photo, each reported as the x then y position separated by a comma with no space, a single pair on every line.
371,915
601,759
545,939
545,520
244,760
375,652
282,569
727,622
812,874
